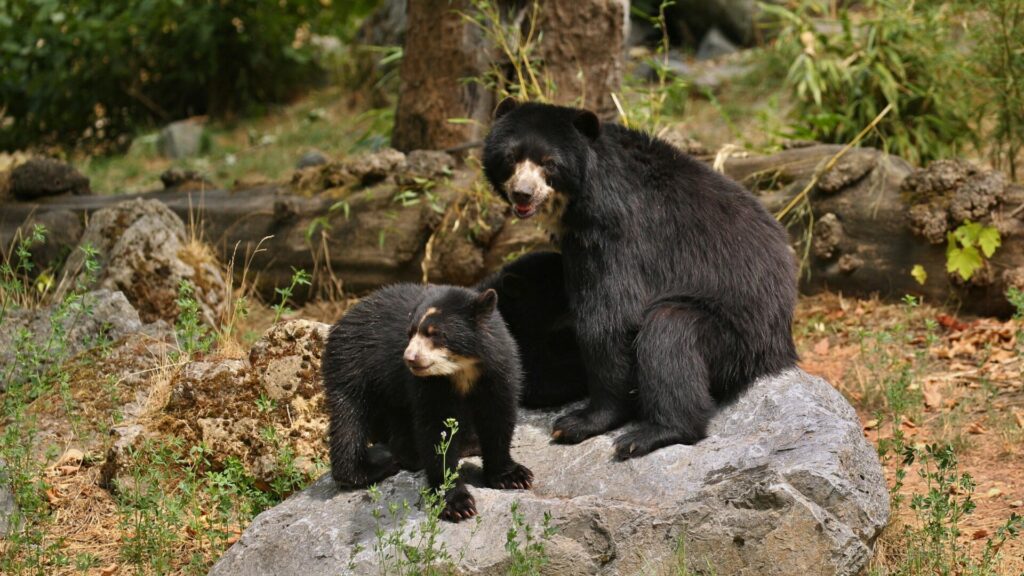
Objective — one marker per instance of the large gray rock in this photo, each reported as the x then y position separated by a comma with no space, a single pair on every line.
785,484
95,317
145,251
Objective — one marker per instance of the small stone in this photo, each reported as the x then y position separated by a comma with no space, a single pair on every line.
311,158
850,263
145,252
184,180
714,44
181,139
8,506
828,235
42,177
126,438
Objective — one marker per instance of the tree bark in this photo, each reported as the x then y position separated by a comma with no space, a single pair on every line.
579,59
582,51
857,221
441,52
862,240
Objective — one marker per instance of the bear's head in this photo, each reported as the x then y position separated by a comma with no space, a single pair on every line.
535,150
445,330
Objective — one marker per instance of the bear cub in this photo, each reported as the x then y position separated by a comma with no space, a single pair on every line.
401,362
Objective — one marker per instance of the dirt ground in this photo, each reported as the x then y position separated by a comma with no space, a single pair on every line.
965,388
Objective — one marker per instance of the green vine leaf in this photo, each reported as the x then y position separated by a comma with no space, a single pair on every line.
919,274
964,261
989,240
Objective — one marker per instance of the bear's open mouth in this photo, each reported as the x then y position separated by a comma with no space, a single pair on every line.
524,210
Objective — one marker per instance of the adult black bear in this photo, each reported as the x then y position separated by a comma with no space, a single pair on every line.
533,302
401,362
681,285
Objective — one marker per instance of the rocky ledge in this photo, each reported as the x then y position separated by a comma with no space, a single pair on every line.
785,484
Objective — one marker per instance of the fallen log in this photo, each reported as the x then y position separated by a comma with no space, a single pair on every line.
388,218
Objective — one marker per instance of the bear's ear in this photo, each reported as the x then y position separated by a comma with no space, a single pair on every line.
588,124
507,105
485,302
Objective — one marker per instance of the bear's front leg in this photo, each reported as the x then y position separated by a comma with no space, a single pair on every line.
612,402
494,416
435,404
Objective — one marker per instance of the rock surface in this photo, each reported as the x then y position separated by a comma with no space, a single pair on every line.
180,139
785,484
8,507
144,251
41,177
98,316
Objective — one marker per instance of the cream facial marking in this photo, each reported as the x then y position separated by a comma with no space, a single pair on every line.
429,312
425,359
527,188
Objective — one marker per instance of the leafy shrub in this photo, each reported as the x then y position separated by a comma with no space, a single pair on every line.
893,52
87,71
996,31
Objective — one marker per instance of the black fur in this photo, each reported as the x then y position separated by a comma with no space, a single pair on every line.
373,398
533,302
681,284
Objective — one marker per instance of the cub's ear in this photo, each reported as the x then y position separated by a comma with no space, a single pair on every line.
485,302
588,124
507,105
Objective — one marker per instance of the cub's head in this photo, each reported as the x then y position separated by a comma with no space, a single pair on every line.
536,150
444,331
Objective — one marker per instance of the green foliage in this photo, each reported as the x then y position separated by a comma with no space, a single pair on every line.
193,336
404,550
518,72
932,544
299,278
168,493
963,244
996,63
88,71
16,271
36,369
526,549
895,52
401,549
1016,297
668,94
421,188
919,274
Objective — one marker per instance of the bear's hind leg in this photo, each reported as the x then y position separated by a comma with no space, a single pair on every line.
352,464
672,379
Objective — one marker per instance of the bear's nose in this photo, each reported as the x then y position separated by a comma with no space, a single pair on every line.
521,198
410,356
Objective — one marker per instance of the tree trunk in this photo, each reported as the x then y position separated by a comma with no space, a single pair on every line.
858,220
579,60
582,51
441,51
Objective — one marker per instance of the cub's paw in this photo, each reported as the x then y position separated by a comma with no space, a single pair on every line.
380,464
459,505
517,477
